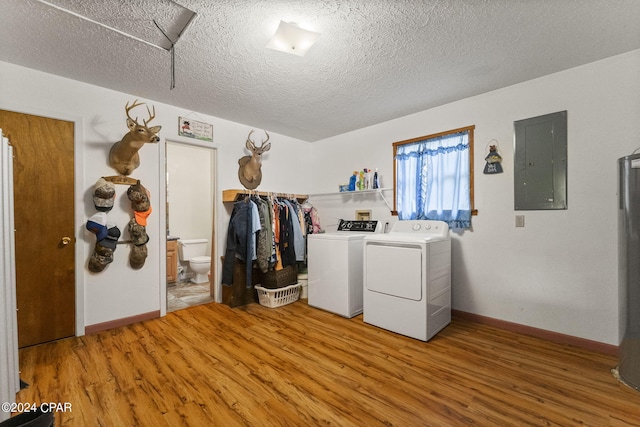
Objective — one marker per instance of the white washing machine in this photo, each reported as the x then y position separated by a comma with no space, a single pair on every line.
407,278
335,267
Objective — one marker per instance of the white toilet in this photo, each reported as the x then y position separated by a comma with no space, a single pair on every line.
195,251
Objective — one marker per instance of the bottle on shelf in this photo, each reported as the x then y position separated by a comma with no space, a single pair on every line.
352,181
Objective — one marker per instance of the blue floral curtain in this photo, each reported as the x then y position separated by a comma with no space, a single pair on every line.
433,180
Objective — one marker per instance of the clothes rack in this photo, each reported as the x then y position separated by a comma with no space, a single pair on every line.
235,195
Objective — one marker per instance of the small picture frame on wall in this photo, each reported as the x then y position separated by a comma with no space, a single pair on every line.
195,129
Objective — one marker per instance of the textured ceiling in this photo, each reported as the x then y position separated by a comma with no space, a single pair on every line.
375,61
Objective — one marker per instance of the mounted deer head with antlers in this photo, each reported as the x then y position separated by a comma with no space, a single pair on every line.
123,156
250,172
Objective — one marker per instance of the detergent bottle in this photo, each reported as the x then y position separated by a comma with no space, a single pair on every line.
352,181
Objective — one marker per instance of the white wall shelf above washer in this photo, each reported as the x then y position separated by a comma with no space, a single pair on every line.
345,193
358,192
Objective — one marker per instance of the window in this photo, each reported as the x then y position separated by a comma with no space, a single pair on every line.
433,177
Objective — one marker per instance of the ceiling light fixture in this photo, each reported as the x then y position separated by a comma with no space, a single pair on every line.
290,38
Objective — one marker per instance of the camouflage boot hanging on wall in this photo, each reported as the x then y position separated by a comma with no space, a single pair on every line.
141,206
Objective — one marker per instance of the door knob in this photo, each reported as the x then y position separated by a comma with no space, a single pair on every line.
66,240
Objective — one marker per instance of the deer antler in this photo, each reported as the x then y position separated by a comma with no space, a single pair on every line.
151,116
253,144
249,141
135,104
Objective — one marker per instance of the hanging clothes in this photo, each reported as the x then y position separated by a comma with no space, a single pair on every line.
240,241
270,231
296,231
264,240
276,234
255,229
303,225
312,218
287,250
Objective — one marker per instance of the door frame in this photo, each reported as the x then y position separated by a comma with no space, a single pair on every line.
216,289
78,190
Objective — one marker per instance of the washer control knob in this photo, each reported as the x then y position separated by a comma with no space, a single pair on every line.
416,227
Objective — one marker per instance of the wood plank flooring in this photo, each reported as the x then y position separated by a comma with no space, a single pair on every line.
211,365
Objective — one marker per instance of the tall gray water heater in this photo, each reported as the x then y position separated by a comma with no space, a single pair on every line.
629,262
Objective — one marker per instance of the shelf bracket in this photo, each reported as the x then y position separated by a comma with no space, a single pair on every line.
379,191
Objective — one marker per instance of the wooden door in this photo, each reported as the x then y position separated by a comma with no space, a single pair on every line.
44,222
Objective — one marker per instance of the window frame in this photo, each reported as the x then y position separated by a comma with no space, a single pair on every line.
395,145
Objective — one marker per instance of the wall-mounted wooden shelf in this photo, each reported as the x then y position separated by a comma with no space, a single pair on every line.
235,195
121,179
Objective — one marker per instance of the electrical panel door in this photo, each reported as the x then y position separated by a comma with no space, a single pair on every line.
540,164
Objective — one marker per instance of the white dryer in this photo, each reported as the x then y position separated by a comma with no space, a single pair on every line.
334,262
407,278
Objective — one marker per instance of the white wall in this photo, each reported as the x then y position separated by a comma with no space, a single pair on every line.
559,272
120,292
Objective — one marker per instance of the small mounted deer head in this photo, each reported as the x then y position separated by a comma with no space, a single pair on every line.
123,156
250,172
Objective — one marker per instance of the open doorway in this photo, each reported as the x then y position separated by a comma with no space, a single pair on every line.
190,219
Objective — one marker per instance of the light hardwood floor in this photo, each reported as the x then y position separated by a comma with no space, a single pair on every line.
298,366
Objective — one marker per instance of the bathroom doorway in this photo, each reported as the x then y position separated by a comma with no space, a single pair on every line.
190,215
